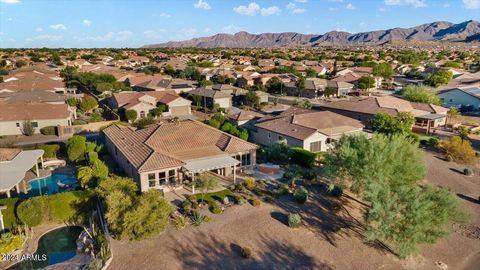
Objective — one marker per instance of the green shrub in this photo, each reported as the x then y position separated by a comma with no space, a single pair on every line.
303,157
468,172
433,142
249,182
51,150
186,205
216,209
256,202
30,212
300,195
50,130
180,222
246,252
197,219
336,191
78,122
294,220
239,200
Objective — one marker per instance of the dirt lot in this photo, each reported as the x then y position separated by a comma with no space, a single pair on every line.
328,239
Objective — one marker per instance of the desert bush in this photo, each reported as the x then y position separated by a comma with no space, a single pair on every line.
186,205
197,219
250,182
459,150
294,220
30,212
180,222
468,172
256,202
246,252
50,130
300,195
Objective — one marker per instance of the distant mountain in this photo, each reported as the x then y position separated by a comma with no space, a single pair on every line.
437,31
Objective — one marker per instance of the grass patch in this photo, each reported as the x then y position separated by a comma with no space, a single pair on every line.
9,217
214,196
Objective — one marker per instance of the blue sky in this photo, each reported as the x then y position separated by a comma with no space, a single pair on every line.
129,23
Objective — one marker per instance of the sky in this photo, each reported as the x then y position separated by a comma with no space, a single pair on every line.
133,23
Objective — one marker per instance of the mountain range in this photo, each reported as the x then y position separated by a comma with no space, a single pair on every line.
468,31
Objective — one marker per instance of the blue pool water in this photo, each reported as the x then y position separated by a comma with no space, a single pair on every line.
49,185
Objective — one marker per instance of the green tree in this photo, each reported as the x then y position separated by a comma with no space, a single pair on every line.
441,77
88,103
274,85
388,124
104,87
243,135
278,153
30,212
386,171
205,183
253,99
304,103
99,169
300,84
366,82
383,70
84,176
131,115
420,93
27,128
329,91
76,148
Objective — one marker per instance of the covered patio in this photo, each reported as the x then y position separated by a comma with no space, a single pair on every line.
14,164
224,166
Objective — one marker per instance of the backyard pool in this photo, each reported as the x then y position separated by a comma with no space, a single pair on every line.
55,183
58,245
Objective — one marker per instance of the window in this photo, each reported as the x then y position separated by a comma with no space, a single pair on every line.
171,176
34,124
245,160
316,146
162,178
18,124
151,179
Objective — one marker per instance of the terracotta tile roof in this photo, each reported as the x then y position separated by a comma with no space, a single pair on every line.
172,144
131,98
32,111
303,125
244,115
7,154
30,81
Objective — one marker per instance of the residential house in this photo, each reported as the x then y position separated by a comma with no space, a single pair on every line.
170,154
177,85
315,88
428,116
144,102
245,118
206,96
311,130
465,98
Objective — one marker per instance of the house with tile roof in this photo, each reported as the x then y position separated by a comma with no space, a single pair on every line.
314,131
315,88
144,102
169,154
428,116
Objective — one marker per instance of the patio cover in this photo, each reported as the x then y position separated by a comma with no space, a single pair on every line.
207,164
12,172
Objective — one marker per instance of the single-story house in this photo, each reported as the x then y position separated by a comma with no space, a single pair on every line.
468,98
170,154
144,102
427,115
315,88
206,96
314,131
13,115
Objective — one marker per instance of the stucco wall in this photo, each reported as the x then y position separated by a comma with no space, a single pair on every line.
457,98
10,127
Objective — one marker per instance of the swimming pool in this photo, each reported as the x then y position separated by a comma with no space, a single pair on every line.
55,183
54,247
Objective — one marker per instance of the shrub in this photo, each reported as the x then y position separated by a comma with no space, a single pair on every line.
30,212
336,191
10,242
269,199
468,172
180,222
77,122
131,115
197,219
294,220
433,142
50,130
460,150
51,150
27,128
186,205
239,200
303,157
76,147
216,209
300,195
250,182
246,252
256,202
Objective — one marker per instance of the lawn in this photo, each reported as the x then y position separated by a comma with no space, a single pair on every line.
9,217
214,196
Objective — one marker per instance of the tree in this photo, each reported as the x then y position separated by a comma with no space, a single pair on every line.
459,150
131,115
30,212
383,70
20,63
304,103
27,128
72,102
329,91
274,85
420,93
441,77
462,132
243,135
161,108
253,99
85,176
104,87
278,153
386,171
206,183
300,84
99,169
88,103
76,147
388,124
452,113
366,82
226,127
